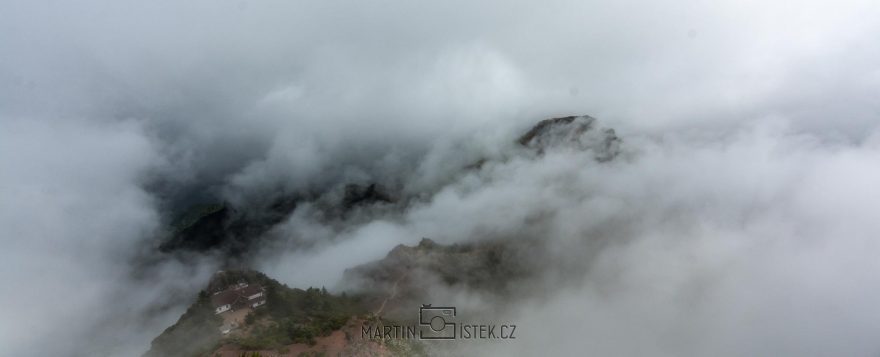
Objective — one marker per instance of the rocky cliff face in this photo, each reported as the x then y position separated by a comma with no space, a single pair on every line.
222,227
393,286
579,132
234,231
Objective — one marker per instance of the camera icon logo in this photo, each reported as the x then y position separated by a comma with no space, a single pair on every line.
434,322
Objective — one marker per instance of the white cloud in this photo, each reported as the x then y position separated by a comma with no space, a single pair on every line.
750,127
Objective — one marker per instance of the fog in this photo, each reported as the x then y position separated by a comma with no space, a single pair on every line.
739,218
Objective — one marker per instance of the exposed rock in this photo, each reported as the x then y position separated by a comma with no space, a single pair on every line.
202,227
234,231
220,226
540,133
575,131
359,195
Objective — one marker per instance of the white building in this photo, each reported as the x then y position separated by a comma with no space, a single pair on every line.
238,296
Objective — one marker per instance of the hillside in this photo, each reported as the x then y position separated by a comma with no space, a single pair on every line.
287,321
292,322
290,316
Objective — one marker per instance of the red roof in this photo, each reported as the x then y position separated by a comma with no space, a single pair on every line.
225,297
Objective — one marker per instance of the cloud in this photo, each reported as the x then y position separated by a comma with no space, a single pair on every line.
741,206
74,217
757,243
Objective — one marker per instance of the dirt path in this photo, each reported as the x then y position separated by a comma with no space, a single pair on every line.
390,296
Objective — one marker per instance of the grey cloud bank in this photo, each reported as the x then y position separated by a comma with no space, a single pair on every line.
739,221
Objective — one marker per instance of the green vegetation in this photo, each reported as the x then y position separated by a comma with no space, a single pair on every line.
289,316
406,348
194,334
298,316
252,354
194,214
312,354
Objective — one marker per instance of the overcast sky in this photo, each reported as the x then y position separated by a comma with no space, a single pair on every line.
747,195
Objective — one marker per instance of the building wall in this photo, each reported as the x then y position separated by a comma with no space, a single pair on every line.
222,309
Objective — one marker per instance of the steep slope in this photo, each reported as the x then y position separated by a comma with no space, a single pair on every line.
411,273
289,316
393,287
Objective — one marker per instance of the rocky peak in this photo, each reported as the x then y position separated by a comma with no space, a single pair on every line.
580,132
